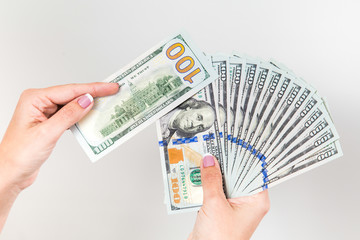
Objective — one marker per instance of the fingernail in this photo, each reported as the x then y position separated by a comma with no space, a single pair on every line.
208,161
85,100
118,84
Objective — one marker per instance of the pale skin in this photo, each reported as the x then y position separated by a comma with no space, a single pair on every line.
37,124
43,115
230,219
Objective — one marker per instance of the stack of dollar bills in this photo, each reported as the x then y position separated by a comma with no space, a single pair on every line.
263,123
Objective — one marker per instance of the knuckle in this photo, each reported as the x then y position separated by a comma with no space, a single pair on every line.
42,132
213,176
93,90
68,112
74,90
28,92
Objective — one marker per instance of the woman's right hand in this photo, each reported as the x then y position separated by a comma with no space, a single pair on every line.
226,219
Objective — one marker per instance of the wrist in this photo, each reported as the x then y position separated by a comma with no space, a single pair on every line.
9,190
10,180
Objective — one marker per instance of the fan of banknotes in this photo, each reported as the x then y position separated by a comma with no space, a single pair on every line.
262,122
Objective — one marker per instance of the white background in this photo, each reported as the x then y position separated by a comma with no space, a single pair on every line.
45,43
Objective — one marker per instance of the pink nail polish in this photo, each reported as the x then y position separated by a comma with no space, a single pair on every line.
208,161
85,100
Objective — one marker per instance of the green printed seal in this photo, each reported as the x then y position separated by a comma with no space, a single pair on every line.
195,177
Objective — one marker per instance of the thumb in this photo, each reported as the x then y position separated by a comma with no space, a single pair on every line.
211,179
68,115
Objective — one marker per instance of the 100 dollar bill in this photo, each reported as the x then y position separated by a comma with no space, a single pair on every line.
324,155
185,135
151,86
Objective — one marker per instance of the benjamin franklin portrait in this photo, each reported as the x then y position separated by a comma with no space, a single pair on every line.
190,118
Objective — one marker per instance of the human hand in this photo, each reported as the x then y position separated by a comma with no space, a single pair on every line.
221,218
37,124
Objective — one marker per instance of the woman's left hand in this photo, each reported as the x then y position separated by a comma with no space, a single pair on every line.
40,118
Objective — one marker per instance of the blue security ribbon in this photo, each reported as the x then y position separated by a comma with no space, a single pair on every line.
184,140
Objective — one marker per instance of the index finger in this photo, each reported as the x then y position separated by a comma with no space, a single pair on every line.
63,94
